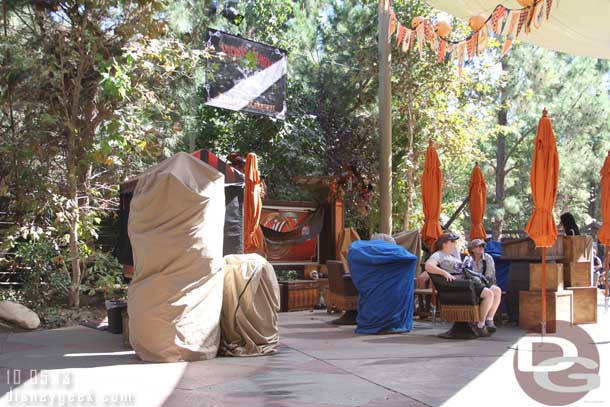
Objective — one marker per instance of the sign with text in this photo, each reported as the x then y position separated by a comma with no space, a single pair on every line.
245,75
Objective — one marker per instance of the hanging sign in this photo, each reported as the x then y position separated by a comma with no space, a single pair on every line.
245,75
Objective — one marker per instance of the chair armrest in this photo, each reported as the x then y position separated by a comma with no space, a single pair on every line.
442,284
340,282
457,292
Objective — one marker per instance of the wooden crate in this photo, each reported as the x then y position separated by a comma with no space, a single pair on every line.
554,276
298,295
525,248
578,249
585,305
578,274
558,307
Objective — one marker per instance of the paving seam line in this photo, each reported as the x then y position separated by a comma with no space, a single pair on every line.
425,357
360,377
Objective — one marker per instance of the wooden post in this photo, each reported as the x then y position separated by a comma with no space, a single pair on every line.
607,270
385,118
543,289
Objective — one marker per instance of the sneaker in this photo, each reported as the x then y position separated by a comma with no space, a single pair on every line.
481,332
489,324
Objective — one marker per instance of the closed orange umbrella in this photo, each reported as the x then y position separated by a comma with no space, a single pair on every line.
253,206
604,232
543,178
431,188
477,197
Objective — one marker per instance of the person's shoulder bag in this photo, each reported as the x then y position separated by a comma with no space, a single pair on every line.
478,278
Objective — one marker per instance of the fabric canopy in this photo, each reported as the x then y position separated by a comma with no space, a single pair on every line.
383,274
604,232
576,27
175,227
249,319
543,178
431,184
253,207
477,197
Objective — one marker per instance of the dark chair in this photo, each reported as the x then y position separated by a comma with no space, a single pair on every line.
342,294
459,304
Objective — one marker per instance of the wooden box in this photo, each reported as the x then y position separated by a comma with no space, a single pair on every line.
298,295
525,249
558,308
585,305
578,274
554,276
578,249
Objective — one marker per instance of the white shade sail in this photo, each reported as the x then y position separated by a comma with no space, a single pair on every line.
576,27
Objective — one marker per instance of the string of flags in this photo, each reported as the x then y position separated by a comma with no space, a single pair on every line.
502,21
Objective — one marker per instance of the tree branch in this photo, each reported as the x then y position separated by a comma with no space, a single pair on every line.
509,170
514,147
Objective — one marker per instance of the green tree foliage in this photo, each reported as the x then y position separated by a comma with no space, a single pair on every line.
574,90
81,86
431,103
332,99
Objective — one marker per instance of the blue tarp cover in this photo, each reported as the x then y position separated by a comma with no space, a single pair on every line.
494,248
383,273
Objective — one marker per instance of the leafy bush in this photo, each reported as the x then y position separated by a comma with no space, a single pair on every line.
284,275
105,275
45,279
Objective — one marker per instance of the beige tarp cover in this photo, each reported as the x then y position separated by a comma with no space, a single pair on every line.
578,27
249,324
410,240
176,230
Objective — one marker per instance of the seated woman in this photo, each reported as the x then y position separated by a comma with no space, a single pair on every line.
482,263
444,263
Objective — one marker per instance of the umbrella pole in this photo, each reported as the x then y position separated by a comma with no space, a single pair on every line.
606,271
543,288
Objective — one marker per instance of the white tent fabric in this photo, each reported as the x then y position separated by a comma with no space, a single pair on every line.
576,27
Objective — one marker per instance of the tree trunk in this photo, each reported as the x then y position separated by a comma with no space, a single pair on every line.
501,161
594,199
74,299
17,163
498,221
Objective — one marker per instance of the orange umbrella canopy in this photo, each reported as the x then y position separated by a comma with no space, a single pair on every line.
431,184
604,232
543,178
477,197
253,206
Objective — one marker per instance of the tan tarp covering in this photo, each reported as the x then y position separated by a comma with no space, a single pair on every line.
249,324
176,229
576,27
410,240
